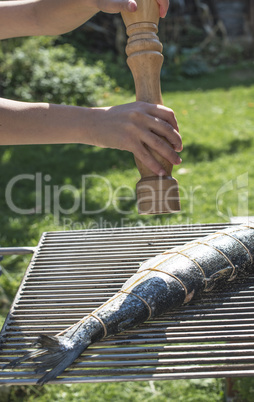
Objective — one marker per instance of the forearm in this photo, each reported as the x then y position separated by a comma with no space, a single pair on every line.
134,127
43,17
60,16
42,123
55,17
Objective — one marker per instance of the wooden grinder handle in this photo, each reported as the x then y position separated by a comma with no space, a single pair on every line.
155,195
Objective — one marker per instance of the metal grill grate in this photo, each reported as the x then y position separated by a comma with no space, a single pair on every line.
71,273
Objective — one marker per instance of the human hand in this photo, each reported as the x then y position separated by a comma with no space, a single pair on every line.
138,127
116,6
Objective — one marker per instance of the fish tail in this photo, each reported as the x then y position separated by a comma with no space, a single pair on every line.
55,353
59,360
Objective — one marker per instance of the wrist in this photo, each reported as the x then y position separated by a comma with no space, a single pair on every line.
90,126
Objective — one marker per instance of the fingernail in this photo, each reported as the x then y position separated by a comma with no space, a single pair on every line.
132,6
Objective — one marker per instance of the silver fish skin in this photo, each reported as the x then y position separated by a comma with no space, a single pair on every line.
160,285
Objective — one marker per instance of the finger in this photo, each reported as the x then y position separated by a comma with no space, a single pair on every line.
162,147
164,113
164,4
166,130
146,158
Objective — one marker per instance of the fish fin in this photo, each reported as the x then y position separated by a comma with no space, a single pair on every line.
58,363
55,353
28,355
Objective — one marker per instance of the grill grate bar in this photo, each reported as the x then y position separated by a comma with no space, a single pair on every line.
100,353
73,272
241,354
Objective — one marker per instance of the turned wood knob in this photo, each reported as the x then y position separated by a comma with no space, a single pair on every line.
155,195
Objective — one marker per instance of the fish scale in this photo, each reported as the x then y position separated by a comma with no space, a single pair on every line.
160,285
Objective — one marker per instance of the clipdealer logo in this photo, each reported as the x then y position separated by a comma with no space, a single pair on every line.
48,196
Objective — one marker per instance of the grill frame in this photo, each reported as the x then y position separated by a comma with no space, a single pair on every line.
212,337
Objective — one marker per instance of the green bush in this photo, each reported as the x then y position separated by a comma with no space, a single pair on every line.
39,70
244,389
194,65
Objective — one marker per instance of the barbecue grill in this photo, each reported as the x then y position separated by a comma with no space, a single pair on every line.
73,272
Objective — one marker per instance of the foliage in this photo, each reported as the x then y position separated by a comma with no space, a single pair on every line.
194,66
40,70
198,58
244,389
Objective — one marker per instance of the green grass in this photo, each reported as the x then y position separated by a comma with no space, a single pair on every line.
216,120
154,391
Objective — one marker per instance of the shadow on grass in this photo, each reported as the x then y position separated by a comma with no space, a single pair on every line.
40,169
202,152
60,165
71,161
222,77
225,78
61,160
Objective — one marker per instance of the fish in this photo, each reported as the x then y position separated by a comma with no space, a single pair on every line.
160,285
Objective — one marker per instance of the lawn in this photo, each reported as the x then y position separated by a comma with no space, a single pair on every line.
216,180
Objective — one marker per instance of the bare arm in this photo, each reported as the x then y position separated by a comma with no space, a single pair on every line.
54,17
44,17
132,127
129,127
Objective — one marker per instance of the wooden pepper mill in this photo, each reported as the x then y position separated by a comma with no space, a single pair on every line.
155,195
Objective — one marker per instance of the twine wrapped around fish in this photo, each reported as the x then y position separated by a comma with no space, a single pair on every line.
160,285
